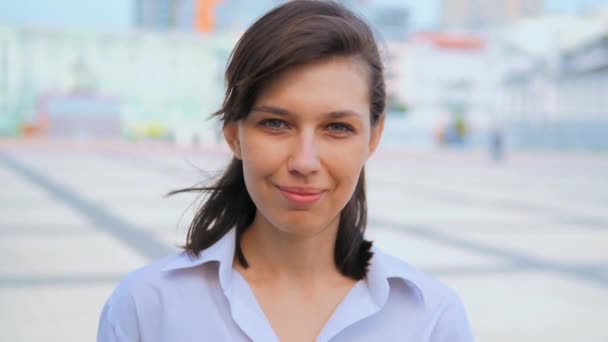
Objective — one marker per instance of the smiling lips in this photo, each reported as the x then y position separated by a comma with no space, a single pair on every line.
300,195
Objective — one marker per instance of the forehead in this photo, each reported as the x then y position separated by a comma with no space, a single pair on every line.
337,83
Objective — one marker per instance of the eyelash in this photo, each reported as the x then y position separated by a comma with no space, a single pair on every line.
343,128
266,123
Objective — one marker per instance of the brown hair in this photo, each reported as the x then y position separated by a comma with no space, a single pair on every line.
296,33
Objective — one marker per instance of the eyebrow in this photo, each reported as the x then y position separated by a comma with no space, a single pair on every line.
284,112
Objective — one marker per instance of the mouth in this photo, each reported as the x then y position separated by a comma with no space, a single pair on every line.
299,195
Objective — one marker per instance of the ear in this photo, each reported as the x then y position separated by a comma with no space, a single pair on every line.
376,134
231,134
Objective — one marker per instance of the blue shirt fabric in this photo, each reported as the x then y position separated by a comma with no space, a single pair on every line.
202,298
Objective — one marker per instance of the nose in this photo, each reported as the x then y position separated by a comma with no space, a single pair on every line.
304,159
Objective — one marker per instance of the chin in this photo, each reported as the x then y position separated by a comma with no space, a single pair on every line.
302,224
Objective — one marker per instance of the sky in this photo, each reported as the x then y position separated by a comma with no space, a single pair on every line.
116,15
104,15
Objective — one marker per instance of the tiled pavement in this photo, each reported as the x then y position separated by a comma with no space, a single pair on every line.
524,242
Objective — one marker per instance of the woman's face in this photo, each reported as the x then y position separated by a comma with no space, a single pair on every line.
304,144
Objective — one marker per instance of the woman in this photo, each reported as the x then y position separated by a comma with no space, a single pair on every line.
277,250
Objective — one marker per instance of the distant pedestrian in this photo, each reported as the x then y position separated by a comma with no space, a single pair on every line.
497,143
277,251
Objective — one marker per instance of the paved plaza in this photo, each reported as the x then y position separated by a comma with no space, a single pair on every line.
524,241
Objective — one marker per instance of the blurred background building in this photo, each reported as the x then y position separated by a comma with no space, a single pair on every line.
486,13
167,14
147,83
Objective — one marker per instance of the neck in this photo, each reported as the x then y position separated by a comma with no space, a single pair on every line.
275,254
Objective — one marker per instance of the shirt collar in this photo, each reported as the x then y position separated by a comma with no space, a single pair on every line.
221,252
382,268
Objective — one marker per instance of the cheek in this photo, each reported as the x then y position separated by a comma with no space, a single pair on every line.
256,165
257,151
345,163
255,171
261,159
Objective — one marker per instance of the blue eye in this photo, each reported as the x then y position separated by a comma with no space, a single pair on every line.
340,127
273,123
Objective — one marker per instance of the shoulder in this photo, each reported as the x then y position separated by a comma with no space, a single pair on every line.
137,299
433,294
149,276
441,305
120,316
139,286
395,268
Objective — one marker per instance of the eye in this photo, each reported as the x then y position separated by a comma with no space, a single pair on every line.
340,128
274,124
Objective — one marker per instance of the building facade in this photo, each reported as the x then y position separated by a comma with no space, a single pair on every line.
167,82
555,94
476,14
180,15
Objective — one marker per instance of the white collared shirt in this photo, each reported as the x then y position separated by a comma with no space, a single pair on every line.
182,298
